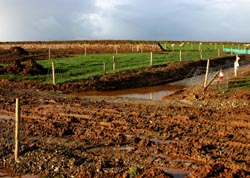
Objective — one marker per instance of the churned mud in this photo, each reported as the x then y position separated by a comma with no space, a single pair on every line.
190,133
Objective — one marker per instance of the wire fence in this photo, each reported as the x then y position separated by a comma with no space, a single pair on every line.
197,76
72,67
91,66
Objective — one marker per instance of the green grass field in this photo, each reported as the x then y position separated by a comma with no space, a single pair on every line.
81,67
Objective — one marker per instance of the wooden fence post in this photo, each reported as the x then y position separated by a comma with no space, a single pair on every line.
104,67
53,73
85,50
180,55
151,59
17,130
49,53
218,52
114,64
201,53
210,82
116,51
207,70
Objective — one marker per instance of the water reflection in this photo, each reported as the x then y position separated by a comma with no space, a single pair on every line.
152,93
6,117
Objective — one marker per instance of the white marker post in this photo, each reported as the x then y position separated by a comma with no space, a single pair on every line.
236,65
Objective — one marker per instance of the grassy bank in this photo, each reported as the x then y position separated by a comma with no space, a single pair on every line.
81,67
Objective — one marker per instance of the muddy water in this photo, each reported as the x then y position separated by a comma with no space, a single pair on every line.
152,93
157,92
6,117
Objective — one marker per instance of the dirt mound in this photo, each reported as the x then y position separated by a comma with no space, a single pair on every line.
29,68
15,68
33,68
16,50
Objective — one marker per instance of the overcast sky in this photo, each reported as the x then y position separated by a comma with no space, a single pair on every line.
200,20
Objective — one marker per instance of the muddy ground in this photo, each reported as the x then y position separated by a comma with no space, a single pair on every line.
191,133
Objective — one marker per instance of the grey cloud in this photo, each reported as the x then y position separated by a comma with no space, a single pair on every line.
213,20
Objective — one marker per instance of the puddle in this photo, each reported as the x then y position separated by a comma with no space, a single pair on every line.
158,92
175,173
151,93
6,117
163,142
124,148
169,158
154,140
45,106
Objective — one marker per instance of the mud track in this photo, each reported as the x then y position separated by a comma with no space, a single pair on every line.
190,133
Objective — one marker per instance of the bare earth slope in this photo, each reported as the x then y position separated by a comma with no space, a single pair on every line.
205,134
194,133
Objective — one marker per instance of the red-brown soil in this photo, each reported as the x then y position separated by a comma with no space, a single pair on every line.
202,134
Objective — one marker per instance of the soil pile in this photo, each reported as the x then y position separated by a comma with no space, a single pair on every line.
18,51
29,68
